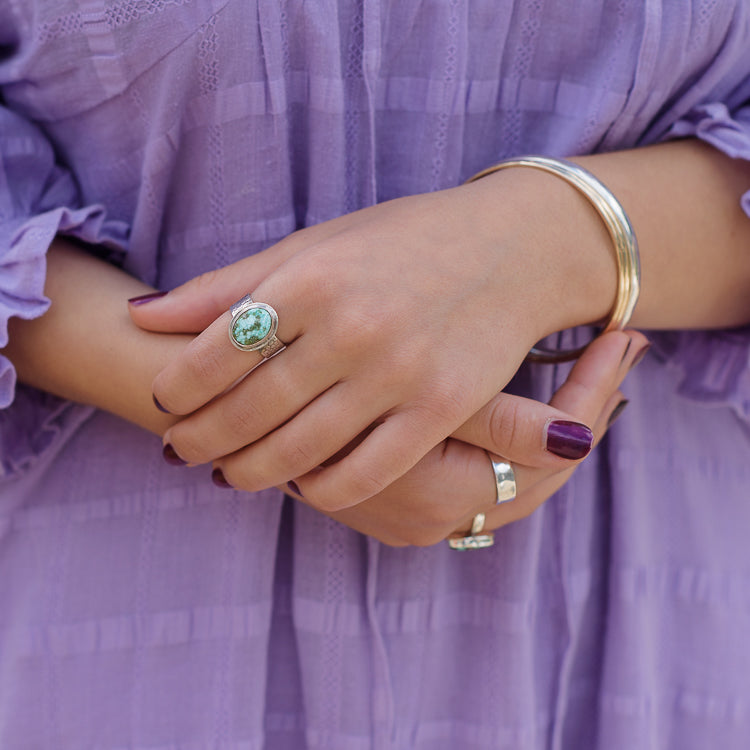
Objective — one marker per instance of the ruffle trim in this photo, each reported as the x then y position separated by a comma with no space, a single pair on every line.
23,268
729,132
35,424
713,367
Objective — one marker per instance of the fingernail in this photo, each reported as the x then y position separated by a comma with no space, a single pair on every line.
616,412
218,478
641,354
294,487
158,405
568,439
171,457
144,298
627,349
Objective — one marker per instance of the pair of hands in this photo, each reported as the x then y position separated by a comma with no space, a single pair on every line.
403,323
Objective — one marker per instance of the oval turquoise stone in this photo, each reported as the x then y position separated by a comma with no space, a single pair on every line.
251,327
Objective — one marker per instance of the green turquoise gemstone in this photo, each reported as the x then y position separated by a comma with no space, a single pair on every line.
251,327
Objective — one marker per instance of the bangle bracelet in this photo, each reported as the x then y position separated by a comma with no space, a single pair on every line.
619,228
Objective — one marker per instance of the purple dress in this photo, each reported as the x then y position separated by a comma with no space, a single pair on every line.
142,608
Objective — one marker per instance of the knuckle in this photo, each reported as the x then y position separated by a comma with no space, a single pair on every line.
503,423
444,404
243,418
204,362
294,456
189,447
366,484
352,332
209,283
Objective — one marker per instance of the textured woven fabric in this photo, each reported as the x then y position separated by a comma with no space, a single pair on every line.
142,608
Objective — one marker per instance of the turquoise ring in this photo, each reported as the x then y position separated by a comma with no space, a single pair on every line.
253,327
474,539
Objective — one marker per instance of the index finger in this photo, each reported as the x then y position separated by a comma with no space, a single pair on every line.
234,344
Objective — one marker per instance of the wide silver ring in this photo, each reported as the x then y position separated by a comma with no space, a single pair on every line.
253,327
505,480
474,539
505,491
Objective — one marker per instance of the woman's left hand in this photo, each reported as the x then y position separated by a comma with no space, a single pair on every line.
454,481
401,321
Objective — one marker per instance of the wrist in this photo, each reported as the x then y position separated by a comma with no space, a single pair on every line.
565,247
108,362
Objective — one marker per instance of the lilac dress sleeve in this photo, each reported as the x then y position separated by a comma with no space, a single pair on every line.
38,200
714,366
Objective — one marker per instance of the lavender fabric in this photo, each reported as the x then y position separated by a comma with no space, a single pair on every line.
143,608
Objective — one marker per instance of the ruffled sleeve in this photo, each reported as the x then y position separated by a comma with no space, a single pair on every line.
38,200
714,366
725,130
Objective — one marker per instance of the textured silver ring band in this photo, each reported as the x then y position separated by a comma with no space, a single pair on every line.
253,327
475,539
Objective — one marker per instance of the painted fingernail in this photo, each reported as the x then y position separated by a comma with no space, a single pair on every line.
616,412
627,349
641,354
568,439
218,478
171,457
144,298
294,487
158,405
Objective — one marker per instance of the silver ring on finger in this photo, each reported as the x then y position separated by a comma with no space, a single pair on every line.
505,491
253,327
474,539
505,480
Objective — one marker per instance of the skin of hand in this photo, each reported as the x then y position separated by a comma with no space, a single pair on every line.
107,361
110,363
454,481
405,363
405,318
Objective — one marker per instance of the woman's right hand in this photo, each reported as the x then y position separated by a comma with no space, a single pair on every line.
454,481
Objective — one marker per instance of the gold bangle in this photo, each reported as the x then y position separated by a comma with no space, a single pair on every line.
619,228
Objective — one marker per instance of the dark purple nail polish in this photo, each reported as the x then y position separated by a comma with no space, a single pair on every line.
641,354
144,298
627,349
158,405
616,412
171,457
568,439
218,478
294,487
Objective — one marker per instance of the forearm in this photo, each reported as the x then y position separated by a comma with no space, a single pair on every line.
85,347
683,199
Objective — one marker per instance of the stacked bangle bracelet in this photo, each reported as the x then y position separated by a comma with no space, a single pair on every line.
619,228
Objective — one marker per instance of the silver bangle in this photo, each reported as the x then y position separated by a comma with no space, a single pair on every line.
619,228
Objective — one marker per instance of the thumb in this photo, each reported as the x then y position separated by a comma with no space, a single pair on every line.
551,436
192,306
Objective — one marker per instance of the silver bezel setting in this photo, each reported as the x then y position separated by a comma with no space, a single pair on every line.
269,344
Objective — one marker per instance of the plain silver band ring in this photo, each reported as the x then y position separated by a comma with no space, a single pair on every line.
505,480
505,491
266,344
